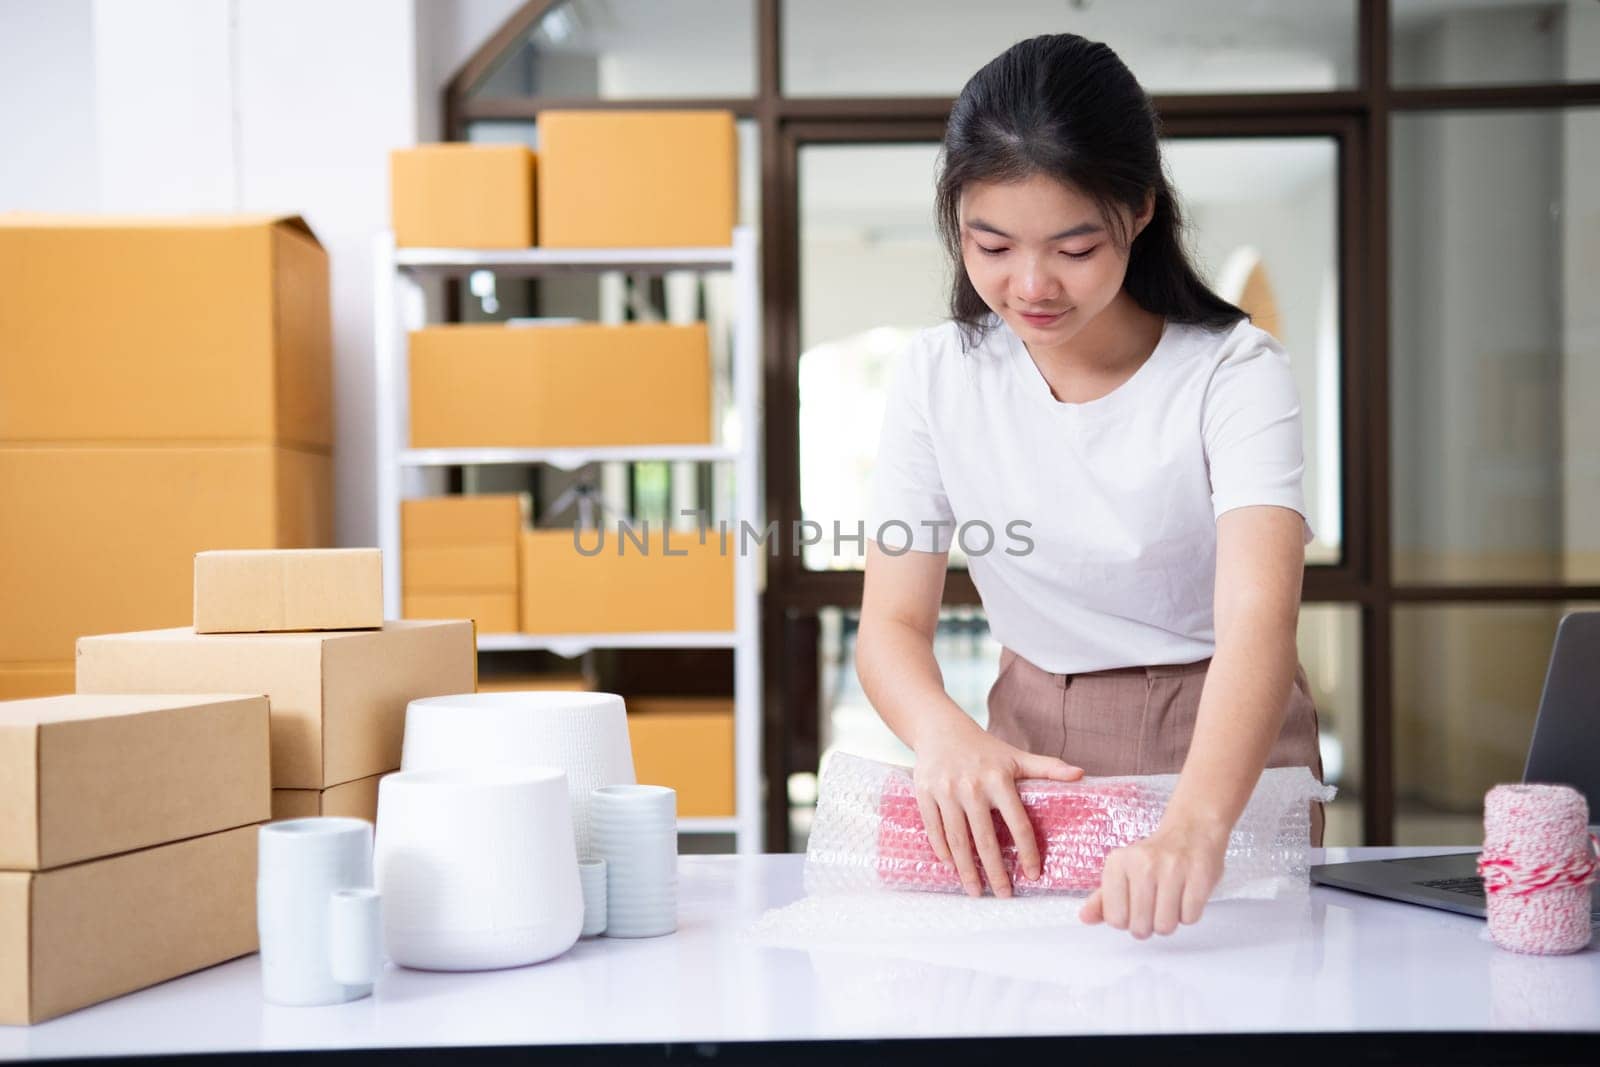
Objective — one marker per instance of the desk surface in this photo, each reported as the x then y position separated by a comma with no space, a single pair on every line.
1331,961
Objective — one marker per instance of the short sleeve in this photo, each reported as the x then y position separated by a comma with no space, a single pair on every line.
909,507
1252,429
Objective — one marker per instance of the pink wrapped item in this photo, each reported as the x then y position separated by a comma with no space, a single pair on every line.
1075,826
868,833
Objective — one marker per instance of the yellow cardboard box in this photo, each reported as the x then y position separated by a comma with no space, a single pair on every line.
354,800
22,681
686,744
211,330
480,519
89,776
488,385
637,179
274,590
77,935
494,613
462,196
338,697
460,568
100,540
520,682
673,583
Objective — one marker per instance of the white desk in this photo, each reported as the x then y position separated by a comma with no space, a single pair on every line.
1332,962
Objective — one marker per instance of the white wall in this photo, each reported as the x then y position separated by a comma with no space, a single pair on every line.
47,89
198,106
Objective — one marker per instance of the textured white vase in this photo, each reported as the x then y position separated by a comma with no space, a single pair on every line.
477,868
315,908
584,734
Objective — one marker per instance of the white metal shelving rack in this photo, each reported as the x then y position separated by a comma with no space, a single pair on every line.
400,305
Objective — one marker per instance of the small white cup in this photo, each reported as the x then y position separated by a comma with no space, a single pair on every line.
316,911
592,873
635,830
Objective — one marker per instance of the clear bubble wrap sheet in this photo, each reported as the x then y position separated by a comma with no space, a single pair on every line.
868,832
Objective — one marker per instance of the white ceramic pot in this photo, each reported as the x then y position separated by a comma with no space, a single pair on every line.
584,734
477,867
315,911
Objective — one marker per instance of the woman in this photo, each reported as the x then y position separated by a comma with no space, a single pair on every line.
1119,451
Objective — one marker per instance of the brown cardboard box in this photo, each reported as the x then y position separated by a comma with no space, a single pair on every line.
494,613
212,330
354,800
88,776
20,681
688,745
554,681
338,698
564,591
460,568
486,519
489,385
462,196
274,590
637,179
97,540
77,935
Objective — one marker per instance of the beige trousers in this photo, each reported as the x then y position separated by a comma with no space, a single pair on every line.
1133,720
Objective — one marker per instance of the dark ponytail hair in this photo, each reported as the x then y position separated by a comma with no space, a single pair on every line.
1069,108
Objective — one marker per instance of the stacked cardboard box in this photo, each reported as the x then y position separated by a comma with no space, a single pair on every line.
127,843
608,581
164,387
459,559
338,696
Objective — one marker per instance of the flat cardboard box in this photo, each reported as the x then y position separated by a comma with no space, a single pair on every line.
462,196
102,540
637,179
494,613
353,800
89,776
77,935
338,698
448,521
206,329
20,681
690,750
277,590
489,568
491,385
624,589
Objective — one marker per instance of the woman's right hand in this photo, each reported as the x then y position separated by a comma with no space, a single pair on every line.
964,774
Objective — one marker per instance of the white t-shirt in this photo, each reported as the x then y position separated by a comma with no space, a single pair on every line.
1117,560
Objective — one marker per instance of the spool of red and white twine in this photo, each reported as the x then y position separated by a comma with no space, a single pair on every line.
1537,863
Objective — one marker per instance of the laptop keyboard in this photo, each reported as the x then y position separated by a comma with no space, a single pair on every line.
1472,887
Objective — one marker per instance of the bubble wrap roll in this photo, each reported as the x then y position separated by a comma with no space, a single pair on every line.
868,832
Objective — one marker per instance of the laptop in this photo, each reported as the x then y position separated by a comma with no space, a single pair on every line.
1565,749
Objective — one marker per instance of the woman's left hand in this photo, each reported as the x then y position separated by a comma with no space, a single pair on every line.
1155,884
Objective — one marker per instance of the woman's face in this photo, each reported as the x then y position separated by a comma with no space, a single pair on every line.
1040,255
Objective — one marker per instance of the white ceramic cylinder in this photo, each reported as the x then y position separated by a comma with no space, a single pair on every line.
592,874
636,833
302,863
584,734
477,867
355,941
